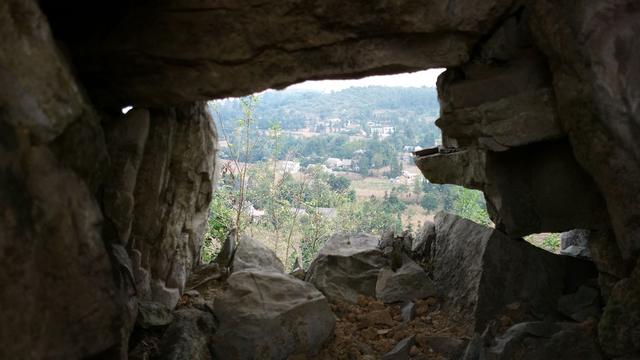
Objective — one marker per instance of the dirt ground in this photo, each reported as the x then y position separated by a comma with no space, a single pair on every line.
369,329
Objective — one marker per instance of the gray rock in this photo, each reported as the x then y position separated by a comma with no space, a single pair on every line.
581,305
253,254
576,251
347,266
619,328
408,312
236,67
409,282
401,350
298,271
270,315
449,347
479,270
167,296
189,336
172,193
126,137
421,245
543,340
152,314
578,237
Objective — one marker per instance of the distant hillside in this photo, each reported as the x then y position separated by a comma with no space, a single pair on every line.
296,109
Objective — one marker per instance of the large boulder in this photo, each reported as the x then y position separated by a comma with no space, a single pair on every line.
270,315
480,270
409,282
347,266
253,254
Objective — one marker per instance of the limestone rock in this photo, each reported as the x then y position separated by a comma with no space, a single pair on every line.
347,266
401,350
172,194
449,347
298,271
519,110
253,254
39,91
542,340
408,312
594,102
252,53
619,329
53,213
126,138
577,237
581,305
63,294
576,251
409,282
421,245
466,167
270,315
152,314
189,336
480,270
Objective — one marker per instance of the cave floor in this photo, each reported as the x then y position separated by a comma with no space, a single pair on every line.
370,329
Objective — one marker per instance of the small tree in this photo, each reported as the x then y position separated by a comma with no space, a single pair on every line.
470,204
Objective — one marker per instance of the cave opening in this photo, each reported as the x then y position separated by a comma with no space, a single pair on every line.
325,157
107,135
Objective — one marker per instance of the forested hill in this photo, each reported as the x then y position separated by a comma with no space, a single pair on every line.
296,109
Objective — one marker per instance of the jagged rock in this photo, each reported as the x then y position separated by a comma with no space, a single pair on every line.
152,314
347,266
189,336
543,340
576,237
581,305
224,259
392,248
447,346
560,195
270,315
203,275
576,251
401,350
408,312
409,282
331,40
479,270
421,245
376,317
253,254
593,102
298,271
126,138
466,167
518,111
619,328
172,194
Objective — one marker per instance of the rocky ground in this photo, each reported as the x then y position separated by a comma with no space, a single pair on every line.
440,295
370,329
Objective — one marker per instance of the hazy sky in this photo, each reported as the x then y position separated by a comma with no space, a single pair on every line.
416,79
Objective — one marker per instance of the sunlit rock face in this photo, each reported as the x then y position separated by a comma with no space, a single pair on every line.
99,210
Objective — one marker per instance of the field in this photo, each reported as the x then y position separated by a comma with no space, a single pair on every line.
371,186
